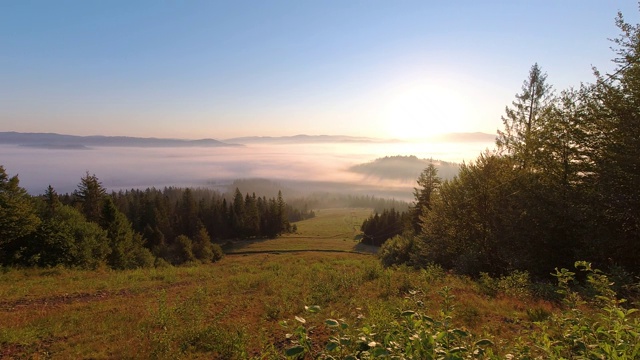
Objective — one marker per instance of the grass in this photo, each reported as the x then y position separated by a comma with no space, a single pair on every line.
233,309
334,230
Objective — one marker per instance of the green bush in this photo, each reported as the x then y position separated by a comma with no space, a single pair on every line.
397,250
411,335
218,254
610,333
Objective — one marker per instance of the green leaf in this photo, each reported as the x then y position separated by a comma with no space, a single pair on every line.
427,318
484,342
460,333
332,345
345,340
407,313
312,309
294,351
362,345
457,350
332,322
379,351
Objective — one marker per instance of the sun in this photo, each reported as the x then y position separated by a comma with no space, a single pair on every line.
422,110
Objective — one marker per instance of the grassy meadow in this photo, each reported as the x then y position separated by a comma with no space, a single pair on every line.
235,308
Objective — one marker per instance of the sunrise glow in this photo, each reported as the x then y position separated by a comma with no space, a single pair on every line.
425,109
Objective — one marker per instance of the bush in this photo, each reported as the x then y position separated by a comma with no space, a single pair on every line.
217,252
397,250
161,263
142,257
411,335
516,284
181,250
610,333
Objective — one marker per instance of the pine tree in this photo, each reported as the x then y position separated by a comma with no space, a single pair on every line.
126,247
525,119
89,196
617,159
429,182
52,200
17,213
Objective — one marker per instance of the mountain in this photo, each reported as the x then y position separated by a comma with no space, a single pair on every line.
309,139
464,137
306,139
59,141
406,168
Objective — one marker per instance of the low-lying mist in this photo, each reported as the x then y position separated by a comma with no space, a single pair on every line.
304,167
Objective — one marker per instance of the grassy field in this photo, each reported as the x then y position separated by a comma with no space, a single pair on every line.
336,230
232,309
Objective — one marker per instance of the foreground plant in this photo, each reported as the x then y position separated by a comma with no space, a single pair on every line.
611,333
412,335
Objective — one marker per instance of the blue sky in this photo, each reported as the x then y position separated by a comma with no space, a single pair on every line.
195,69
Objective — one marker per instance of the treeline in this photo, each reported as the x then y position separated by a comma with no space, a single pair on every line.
90,228
163,214
379,227
332,200
563,183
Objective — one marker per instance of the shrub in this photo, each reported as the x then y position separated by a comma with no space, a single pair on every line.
218,254
411,335
397,250
181,250
610,333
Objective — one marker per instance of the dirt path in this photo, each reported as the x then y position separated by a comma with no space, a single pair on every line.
66,299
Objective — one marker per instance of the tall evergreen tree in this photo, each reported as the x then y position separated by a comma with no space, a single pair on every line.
17,213
617,159
523,121
52,200
89,196
429,182
126,247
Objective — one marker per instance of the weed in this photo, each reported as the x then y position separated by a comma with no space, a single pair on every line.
433,273
411,335
470,315
488,285
538,314
372,271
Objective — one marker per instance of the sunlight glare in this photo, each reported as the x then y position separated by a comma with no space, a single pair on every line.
422,110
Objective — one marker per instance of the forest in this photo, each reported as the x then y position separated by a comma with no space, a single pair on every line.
560,191
130,229
561,185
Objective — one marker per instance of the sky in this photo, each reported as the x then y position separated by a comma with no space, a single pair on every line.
212,69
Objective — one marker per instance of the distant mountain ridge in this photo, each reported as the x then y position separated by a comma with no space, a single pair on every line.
464,137
302,139
461,137
61,141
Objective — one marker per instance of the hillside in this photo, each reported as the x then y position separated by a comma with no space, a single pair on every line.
406,168
243,307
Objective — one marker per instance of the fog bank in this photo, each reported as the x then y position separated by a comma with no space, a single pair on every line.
125,167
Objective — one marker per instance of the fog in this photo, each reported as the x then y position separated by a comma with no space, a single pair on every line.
311,166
